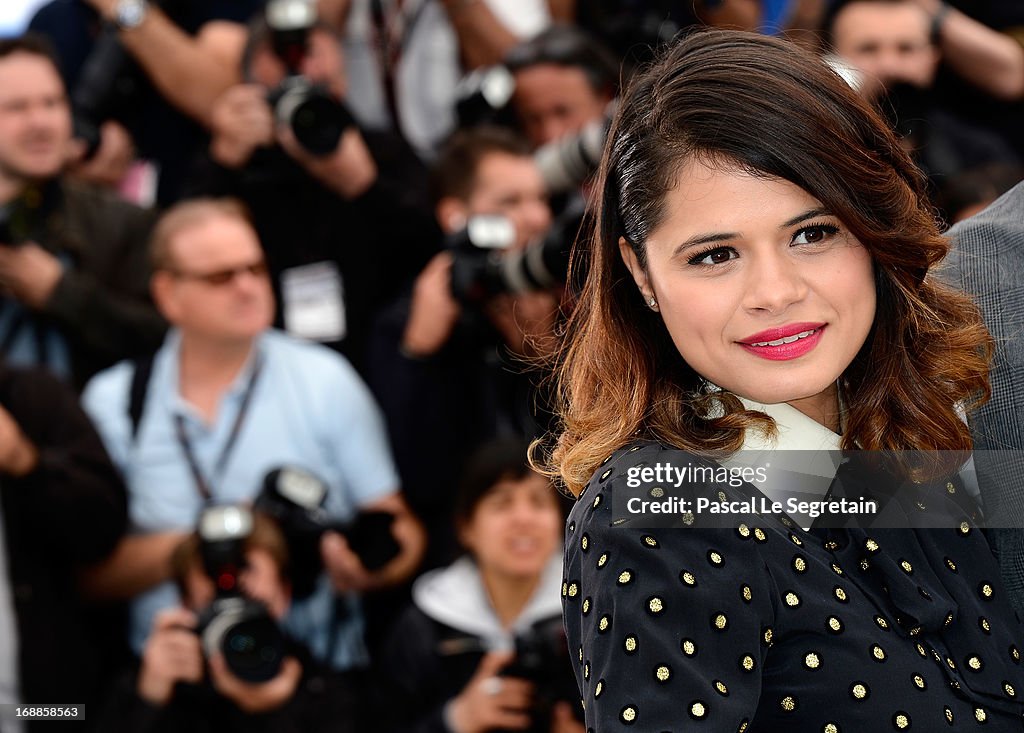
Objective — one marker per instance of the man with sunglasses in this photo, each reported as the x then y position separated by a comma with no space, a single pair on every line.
227,400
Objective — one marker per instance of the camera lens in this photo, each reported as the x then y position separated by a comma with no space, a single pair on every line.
253,649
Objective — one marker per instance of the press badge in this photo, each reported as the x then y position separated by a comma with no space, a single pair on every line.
313,305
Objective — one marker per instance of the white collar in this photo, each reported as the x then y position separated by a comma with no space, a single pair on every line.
795,431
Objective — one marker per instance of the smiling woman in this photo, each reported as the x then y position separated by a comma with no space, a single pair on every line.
759,278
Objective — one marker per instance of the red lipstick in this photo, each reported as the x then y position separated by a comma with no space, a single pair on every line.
785,342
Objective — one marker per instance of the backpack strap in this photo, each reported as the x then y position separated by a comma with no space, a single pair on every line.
138,389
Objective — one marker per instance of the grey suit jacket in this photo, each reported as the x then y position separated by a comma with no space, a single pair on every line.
987,261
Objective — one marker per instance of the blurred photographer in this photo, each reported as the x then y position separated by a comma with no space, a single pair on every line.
448,360
224,401
340,213
72,258
482,647
153,66
62,507
179,685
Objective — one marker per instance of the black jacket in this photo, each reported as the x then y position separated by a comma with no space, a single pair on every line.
70,511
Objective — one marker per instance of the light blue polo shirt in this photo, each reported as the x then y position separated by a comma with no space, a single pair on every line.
308,408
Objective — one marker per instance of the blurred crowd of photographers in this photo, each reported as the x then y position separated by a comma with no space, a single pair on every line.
278,279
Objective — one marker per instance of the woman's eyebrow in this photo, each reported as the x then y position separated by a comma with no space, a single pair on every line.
809,214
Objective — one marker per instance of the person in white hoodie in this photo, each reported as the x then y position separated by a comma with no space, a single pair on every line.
481,648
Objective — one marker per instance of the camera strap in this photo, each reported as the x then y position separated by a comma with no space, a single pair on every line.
202,485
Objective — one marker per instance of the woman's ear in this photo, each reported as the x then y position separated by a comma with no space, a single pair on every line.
637,271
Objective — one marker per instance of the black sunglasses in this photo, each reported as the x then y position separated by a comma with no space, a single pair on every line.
223,277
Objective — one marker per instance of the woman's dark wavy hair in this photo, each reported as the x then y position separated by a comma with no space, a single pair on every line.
774,110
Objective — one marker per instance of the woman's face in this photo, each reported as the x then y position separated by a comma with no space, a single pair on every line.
763,291
515,528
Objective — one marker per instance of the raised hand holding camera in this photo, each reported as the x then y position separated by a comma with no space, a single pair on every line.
172,654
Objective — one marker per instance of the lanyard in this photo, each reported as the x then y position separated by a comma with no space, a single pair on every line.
201,484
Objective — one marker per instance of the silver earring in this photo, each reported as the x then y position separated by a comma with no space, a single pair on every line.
652,303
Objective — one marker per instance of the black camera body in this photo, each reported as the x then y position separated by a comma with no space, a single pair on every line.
315,117
542,658
295,498
240,628
482,267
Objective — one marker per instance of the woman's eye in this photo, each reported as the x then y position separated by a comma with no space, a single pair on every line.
815,234
714,256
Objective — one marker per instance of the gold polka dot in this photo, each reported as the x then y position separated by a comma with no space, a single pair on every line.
812,661
689,578
921,651
980,715
768,635
662,673
746,593
722,497
840,594
871,545
698,710
597,501
599,688
951,565
586,671
799,564
907,567
964,528
584,543
689,648
688,518
950,488
602,625
788,704
864,565
835,624
831,545
901,721
759,535
748,663
974,663
878,652
882,623
796,540
715,558
744,530
573,590
606,474
565,589
859,691
650,541
986,590
586,606
624,577
1015,653
581,654
657,492
919,681
792,600
1008,689
983,623
629,714
720,686
838,570
950,662
830,728
721,621
630,643
949,714
743,726
655,605
948,620
602,560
